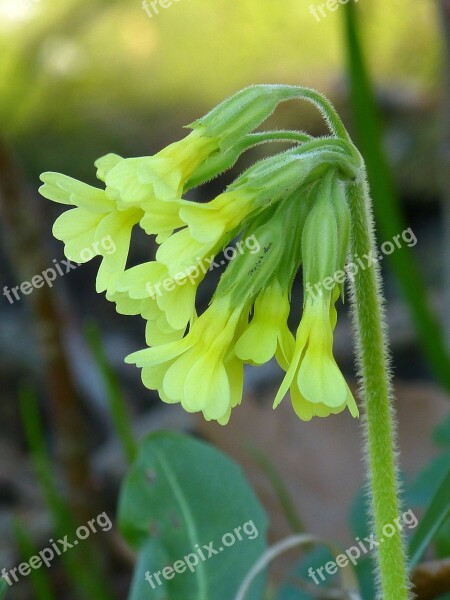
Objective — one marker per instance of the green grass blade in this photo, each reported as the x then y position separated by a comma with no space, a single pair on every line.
388,213
79,563
39,579
279,487
116,398
436,514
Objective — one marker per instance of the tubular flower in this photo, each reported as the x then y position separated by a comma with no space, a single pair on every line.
94,228
316,384
155,183
141,181
203,370
209,222
167,303
268,334
199,371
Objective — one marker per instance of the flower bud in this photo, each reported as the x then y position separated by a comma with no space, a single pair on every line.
320,240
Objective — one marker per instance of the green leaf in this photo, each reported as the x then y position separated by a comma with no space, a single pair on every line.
441,434
180,496
436,514
427,481
3,588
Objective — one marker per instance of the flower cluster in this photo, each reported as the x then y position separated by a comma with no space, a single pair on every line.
293,203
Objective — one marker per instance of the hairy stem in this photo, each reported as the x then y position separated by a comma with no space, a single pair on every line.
379,423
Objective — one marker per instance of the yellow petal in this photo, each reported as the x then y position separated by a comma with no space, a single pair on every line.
124,304
76,228
155,336
159,354
207,388
142,281
320,380
163,175
235,374
205,223
105,163
258,343
180,252
160,217
178,304
175,377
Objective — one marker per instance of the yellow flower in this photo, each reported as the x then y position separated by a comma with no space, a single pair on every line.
268,333
167,303
316,384
209,222
210,228
124,183
200,370
181,253
155,183
94,228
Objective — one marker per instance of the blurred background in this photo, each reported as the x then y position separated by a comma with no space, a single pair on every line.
79,79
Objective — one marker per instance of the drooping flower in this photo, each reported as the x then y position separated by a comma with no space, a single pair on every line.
138,190
209,222
94,227
167,303
317,386
268,333
291,204
140,181
155,183
199,370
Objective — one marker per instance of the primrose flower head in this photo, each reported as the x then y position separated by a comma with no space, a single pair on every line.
292,205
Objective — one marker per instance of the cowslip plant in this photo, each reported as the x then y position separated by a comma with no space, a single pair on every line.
308,208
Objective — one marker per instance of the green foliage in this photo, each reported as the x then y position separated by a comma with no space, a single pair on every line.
114,393
3,588
181,493
77,561
432,490
280,489
104,70
435,516
293,590
39,579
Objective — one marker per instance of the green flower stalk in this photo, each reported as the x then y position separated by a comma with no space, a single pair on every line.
302,208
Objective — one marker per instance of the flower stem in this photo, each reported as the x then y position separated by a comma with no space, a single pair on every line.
379,423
